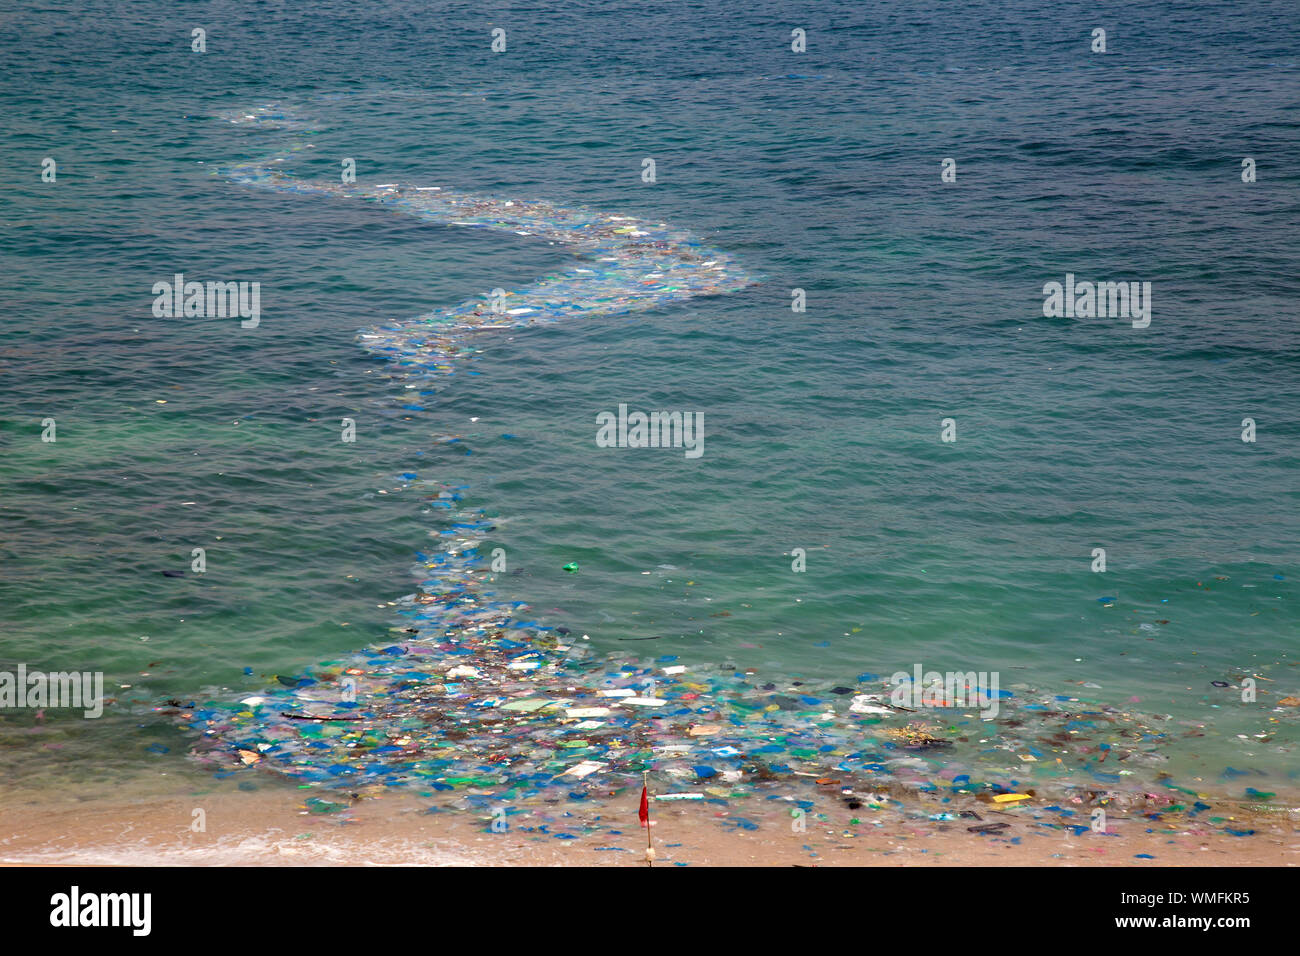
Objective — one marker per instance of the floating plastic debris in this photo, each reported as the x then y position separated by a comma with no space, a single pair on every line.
478,701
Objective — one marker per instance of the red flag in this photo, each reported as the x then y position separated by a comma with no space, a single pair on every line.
644,812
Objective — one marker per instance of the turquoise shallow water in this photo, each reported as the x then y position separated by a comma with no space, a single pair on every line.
818,171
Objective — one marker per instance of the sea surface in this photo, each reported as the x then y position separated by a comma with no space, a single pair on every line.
818,171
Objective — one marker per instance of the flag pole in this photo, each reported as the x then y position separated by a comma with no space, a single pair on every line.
649,847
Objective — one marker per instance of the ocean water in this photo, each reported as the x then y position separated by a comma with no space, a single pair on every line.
817,171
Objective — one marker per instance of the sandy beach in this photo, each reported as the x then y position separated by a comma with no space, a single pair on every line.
277,826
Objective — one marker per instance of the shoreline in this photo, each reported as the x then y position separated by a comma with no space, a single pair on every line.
282,826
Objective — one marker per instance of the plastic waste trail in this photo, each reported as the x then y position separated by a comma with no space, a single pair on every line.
626,264
479,706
